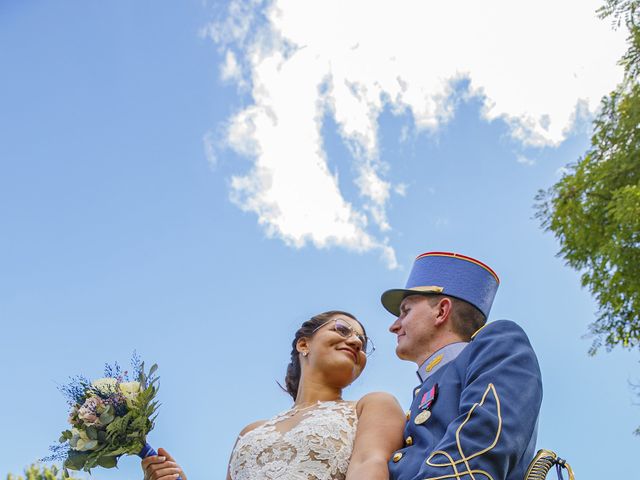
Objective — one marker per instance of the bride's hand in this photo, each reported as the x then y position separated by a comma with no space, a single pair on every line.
162,467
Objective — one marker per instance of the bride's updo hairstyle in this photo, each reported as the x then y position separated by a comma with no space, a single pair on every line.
292,380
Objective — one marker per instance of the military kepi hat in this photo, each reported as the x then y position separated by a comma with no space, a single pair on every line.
448,274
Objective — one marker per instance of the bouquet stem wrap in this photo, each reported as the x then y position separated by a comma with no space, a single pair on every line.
149,451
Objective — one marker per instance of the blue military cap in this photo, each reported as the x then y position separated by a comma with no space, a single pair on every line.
448,274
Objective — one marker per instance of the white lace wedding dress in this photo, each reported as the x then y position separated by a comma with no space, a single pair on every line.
309,444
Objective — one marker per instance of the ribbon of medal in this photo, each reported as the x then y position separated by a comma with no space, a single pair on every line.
428,398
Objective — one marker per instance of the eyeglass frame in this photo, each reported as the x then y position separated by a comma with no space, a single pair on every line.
365,340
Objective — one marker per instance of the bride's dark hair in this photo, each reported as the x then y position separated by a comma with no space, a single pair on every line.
292,379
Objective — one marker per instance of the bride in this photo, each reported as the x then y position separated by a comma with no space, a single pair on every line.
322,436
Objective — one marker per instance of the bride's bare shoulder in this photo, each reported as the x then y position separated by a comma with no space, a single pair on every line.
375,400
251,426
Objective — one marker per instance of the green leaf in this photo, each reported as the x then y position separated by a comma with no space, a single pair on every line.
106,418
65,435
102,436
76,460
92,433
108,462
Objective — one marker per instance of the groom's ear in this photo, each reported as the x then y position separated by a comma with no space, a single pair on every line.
444,310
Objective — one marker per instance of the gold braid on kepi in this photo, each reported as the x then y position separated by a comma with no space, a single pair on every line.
543,462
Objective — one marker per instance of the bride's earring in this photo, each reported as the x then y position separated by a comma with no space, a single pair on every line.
304,354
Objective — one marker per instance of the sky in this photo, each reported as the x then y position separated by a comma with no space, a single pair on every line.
192,180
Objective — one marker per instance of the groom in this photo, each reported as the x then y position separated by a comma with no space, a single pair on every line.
475,413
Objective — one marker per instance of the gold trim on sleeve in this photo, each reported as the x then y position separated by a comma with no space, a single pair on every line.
464,459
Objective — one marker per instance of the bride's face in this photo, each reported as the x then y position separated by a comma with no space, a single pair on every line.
337,352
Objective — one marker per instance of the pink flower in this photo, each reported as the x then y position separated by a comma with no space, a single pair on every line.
88,412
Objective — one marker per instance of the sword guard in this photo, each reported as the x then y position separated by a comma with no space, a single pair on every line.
543,462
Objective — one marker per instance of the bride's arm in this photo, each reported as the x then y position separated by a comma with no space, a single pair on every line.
379,434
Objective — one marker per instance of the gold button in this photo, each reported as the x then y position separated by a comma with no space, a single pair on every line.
409,441
416,391
397,457
408,414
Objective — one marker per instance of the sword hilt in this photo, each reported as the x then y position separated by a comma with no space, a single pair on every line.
543,462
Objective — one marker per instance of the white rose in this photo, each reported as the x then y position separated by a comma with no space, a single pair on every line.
130,391
105,385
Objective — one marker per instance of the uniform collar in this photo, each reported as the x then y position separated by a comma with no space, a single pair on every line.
439,359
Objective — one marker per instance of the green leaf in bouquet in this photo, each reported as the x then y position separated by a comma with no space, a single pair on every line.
142,378
133,449
64,436
153,369
92,433
117,429
139,423
116,425
92,462
76,460
94,457
107,417
90,445
108,462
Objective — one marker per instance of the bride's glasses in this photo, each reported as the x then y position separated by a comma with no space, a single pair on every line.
342,328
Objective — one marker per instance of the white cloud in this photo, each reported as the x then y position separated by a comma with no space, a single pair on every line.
209,149
522,160
230,70
536,65
401,189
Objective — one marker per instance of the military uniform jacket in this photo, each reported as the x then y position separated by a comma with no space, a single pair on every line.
481,412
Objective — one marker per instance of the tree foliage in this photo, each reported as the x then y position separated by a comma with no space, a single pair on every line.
41,472
594,209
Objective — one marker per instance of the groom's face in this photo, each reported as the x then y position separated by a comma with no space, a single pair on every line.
414,328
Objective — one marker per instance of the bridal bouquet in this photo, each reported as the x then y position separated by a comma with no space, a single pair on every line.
109,417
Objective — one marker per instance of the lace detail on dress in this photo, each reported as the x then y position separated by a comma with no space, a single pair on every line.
317,447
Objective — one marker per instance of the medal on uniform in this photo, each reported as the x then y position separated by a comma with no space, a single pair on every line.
428,398
422,417
426,402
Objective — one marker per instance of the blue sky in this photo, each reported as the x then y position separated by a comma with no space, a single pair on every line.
191,180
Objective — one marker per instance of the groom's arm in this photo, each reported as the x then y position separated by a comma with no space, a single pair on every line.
498,410
379,433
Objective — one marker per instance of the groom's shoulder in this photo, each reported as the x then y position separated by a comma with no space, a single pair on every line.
499,338
498,330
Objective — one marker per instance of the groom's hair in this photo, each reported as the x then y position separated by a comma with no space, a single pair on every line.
465,318
307,329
